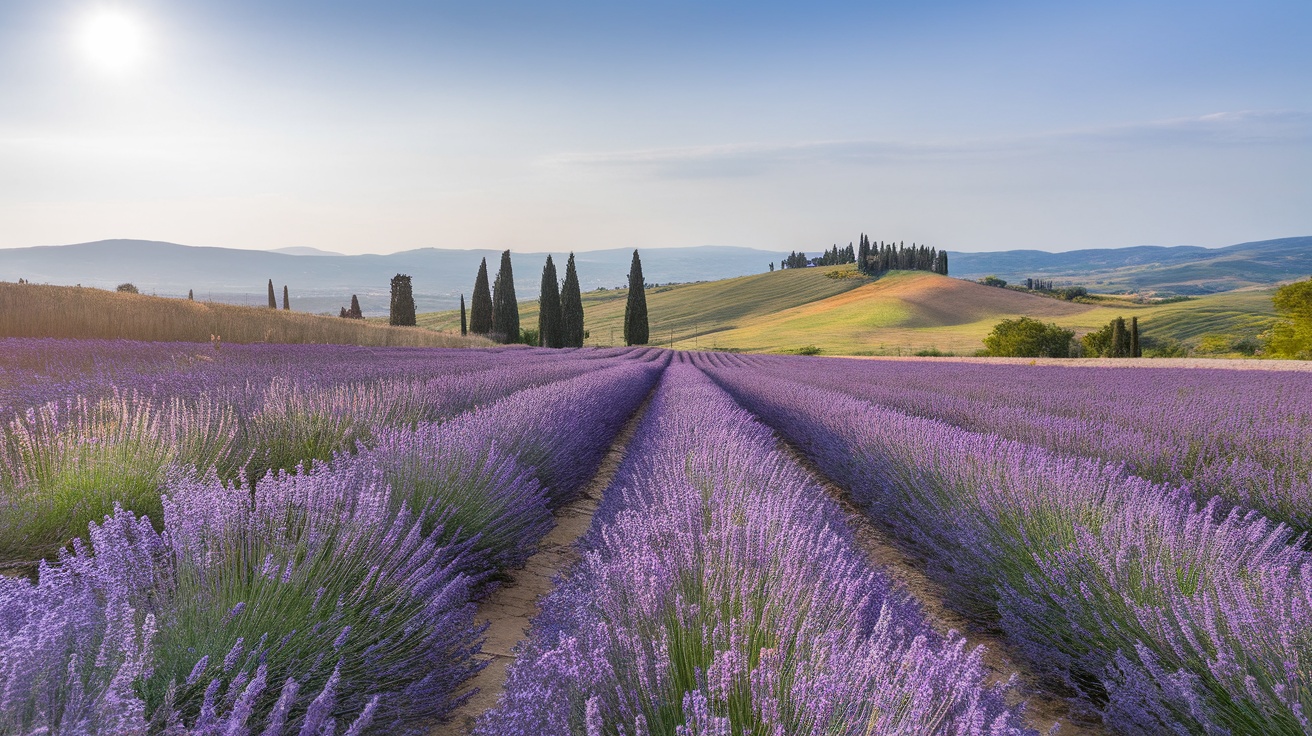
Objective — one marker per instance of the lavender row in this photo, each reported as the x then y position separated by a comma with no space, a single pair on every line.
37,371
1242,435
67,463
337,600
720,593
1164,616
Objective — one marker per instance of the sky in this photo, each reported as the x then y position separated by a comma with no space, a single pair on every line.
386,126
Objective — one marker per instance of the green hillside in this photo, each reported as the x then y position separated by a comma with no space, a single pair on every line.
844,313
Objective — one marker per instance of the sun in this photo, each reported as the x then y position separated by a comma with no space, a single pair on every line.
112,40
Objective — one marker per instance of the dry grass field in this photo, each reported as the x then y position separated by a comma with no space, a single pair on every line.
37,310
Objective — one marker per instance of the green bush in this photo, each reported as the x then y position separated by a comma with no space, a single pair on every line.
1292,337
1028,338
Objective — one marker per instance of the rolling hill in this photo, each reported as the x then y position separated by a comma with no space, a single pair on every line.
844,313
1183,269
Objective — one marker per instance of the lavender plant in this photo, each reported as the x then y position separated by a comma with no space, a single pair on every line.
720,593
1163,615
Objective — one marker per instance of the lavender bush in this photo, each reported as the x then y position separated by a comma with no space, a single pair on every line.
1165,616
720,593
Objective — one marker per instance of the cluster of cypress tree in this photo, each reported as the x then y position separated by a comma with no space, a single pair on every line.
1115,340
835,256
877,259
635,309
354,311
495,311
273,299
560,308
402,311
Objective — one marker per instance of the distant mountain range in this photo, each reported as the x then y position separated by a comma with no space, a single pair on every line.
1183,269
321,281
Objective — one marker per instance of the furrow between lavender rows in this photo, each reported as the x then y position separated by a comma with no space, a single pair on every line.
332,600
721,592
1156,613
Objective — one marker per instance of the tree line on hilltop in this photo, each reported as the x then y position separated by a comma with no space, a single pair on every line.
874,259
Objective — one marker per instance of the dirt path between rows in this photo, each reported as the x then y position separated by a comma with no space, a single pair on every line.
1043,709
511,607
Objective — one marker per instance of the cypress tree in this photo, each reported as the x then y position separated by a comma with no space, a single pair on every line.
273,300
464,324
403,302
190,296
1134,338
635,310
355,312
342,313
550,332
480,308
286,303
571,308
505,307
1120,340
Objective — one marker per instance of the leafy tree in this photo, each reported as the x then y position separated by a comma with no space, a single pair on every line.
286,303
480,308
993,281
1292,336
1028,338
127,288
571,308
273,300
464,323
635,310
505,307
1099,342
551,333
402,313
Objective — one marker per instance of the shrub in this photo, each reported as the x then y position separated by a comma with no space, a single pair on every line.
1028,338
993,281
127,289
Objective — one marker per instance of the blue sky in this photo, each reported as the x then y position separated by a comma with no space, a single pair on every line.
376,127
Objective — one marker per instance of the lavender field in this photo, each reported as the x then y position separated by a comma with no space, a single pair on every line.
277,539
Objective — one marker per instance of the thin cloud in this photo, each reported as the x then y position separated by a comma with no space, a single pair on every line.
1243,128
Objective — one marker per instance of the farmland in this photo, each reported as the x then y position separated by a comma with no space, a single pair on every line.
314,539
845,313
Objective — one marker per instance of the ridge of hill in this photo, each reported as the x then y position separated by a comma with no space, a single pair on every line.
844,313
1182,269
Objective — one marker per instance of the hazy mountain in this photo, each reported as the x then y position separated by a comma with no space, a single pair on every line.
302,250
321,282
1183,269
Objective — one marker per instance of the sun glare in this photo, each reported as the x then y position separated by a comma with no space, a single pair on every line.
112,40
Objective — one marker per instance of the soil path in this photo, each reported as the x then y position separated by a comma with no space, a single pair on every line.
1043,709
511,607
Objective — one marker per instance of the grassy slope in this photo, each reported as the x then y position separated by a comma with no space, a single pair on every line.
901,312
39,310
689,311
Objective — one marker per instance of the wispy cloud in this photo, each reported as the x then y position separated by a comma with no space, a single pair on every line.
1243,128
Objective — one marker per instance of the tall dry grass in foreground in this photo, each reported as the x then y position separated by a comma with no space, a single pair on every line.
38,310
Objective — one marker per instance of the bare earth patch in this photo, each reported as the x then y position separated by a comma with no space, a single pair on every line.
511,608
